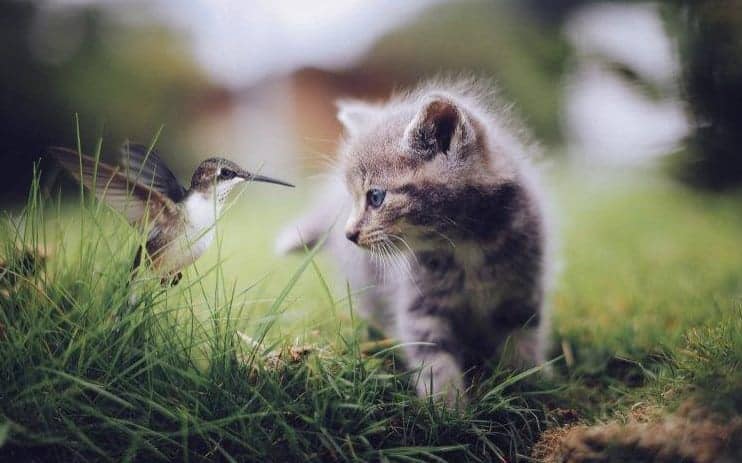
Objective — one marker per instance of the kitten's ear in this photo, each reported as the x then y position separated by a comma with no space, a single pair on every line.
440,126
355,114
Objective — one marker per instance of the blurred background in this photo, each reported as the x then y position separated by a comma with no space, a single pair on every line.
637,105
629,85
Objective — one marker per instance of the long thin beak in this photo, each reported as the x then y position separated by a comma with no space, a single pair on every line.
262,178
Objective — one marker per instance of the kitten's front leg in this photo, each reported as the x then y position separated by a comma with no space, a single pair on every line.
433,350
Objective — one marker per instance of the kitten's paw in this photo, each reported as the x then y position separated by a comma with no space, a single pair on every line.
293,239
443,380
524,349
288,240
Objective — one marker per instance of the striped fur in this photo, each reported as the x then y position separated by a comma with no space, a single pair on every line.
457,252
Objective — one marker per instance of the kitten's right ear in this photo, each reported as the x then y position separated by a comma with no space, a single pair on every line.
355,114
439,127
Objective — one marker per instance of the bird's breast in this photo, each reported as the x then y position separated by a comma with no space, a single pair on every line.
201,215
196,233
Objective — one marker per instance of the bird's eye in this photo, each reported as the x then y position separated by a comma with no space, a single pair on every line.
375,197
227,174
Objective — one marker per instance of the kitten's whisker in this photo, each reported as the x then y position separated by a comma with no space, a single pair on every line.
383,252
400,260
389,258
374,235
407,258
445,237
412,253
381,263
378,261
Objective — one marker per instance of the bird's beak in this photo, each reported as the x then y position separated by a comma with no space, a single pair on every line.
261,178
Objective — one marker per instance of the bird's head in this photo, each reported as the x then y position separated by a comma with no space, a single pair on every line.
219,176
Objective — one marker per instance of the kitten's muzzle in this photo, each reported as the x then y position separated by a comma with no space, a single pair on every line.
353,235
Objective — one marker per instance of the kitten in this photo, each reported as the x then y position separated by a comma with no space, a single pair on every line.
445,232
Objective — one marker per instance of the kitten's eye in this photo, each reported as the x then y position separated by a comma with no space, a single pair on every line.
375,197
227,174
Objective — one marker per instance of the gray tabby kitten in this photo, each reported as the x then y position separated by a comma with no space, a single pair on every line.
445,234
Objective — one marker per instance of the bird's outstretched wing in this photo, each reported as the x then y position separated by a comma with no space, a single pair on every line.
147,168
138,202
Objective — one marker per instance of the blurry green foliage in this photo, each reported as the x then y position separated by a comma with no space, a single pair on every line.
124,81
492,39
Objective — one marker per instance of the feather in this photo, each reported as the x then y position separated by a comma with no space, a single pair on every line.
138,202
147,168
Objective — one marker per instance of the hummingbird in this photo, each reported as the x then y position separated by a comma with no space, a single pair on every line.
180,221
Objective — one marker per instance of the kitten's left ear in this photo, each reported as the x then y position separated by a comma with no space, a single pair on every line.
439,127
354,115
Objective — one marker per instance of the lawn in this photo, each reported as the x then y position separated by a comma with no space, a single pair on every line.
258,357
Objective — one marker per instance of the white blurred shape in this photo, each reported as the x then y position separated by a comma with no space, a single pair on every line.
240,42
612,122
630,34
608,118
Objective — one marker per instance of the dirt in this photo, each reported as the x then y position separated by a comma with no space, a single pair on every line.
692,434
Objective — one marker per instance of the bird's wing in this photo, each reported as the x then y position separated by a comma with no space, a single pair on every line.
147,168
135,200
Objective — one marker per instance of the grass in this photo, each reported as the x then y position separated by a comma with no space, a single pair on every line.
647,310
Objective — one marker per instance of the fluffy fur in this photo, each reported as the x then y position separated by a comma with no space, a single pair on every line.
454,260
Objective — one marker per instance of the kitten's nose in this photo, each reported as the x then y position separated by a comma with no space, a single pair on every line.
353,235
